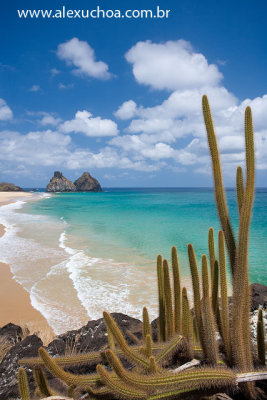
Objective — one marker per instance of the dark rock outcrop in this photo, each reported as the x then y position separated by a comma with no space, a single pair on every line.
11,333
9,366
86,183
91,337
258,296
9,187
60,184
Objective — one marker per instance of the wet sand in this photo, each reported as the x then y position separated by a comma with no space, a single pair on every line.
15,301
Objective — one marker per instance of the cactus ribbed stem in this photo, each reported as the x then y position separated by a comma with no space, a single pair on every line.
168,301
212,254
218,184
161,296
41,382
210,344
196,289
195,330
260,338
241,301
169,348
24,390
224,298
146,324
153,368
83,381
239,188
148,346
176,290
128,352
185,380
215,288
110,339
122,390
187,324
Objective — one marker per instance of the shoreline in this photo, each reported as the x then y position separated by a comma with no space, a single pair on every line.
15,301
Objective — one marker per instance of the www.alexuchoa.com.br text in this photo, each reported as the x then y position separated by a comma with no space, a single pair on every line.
96,13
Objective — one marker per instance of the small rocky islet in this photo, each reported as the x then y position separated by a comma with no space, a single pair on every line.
86,183
9,187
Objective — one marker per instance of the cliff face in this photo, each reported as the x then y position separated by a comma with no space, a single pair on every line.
60,184
86,183
9,187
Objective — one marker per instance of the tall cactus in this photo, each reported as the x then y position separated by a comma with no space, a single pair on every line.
176,290
161,297
218,183
241,342
168,301
224,298
209,333
187,323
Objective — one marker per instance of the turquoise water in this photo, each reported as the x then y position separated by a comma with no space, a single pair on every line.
134,225
78,254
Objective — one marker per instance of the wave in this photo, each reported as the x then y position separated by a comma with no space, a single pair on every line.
66,284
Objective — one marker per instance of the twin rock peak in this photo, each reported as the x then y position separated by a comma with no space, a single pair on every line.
86,183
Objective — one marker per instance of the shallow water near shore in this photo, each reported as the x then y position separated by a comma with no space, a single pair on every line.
81,253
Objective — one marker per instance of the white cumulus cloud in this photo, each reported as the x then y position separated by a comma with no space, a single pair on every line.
127,110
5,111
91,126
81,55
171,65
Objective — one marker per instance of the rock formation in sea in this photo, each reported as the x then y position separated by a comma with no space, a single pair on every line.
86,183
9,187
60,184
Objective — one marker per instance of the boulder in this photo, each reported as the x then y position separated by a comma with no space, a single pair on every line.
9,187
11,333
9,366
86,183
60,184
258,296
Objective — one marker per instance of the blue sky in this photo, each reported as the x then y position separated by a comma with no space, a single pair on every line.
121,98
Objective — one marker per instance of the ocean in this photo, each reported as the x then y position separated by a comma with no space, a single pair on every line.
78,254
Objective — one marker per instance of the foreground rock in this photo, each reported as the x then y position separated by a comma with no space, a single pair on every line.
60,184
9,187
11,333
9,366
86,183
91,337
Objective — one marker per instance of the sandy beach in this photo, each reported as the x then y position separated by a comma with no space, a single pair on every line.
15,301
